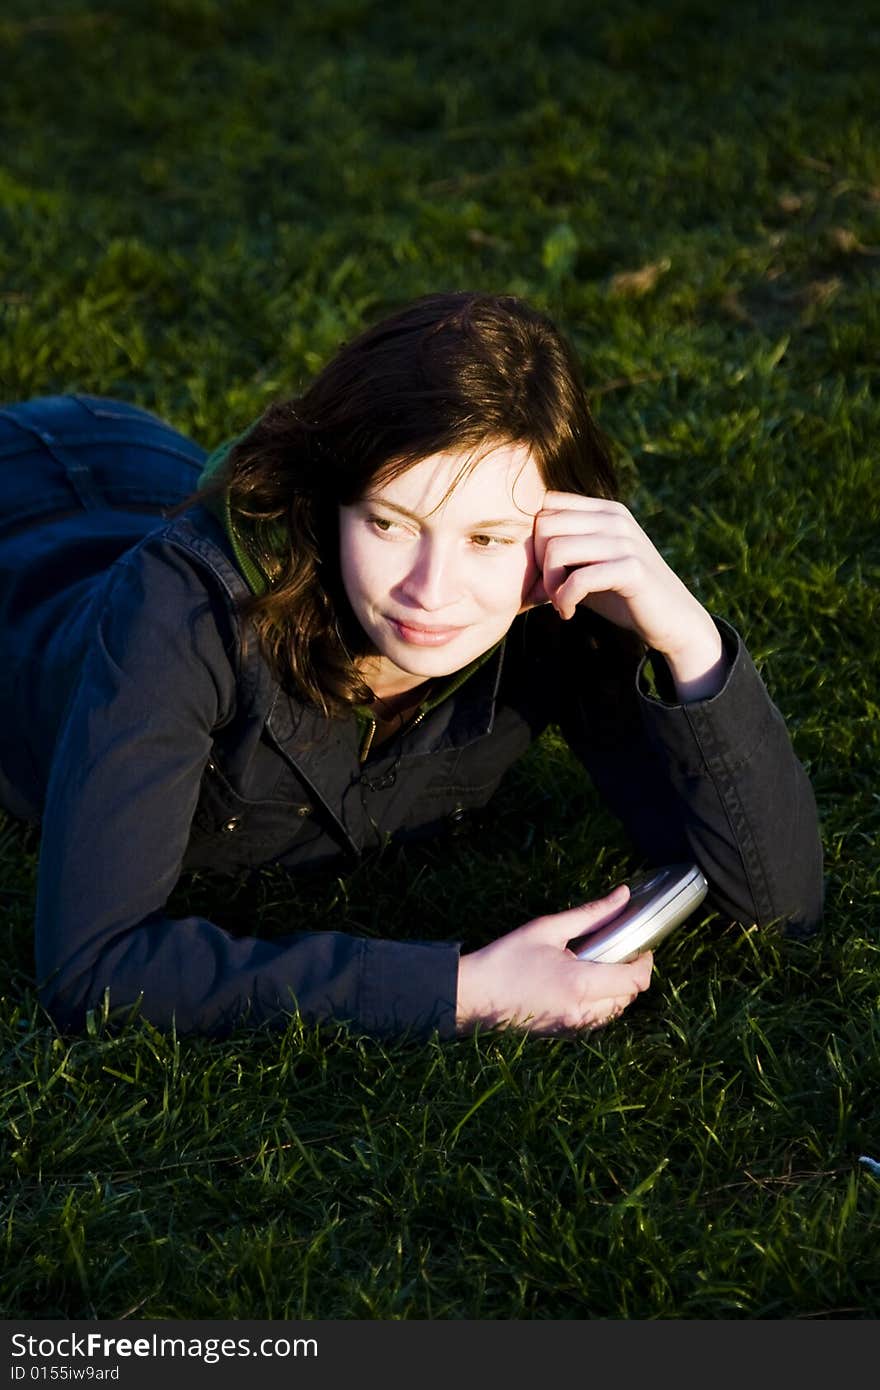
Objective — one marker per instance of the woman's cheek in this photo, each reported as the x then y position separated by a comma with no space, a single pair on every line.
503,581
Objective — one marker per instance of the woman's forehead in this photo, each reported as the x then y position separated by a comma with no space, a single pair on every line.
504,481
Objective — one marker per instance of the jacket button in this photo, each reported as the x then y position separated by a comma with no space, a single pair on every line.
303,811
232,824
457,816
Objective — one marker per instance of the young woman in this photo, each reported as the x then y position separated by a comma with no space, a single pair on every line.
381,593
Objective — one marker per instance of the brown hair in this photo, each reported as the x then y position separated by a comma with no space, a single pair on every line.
456,372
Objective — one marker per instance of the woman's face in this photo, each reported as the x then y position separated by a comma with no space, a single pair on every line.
435,580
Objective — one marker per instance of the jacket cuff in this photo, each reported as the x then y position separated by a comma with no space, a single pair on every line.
409,986
715,734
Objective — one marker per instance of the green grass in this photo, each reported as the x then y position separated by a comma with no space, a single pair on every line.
198,201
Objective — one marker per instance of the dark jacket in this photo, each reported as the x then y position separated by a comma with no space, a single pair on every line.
150,739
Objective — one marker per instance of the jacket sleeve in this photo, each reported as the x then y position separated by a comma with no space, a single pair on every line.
715,781
158,678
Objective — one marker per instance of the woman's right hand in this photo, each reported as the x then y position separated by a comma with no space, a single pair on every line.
529,979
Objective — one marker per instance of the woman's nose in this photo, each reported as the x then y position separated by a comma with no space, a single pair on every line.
431,581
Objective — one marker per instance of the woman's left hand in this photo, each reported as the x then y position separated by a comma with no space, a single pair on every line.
593,551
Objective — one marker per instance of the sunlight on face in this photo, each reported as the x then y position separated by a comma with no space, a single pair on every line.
434,583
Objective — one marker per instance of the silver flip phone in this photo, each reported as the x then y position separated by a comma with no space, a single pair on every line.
658,904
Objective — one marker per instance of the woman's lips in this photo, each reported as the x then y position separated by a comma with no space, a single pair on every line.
421,636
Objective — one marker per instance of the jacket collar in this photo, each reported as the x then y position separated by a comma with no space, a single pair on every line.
463,711
255,548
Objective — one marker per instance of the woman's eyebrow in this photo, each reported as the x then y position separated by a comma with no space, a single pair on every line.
522,521
526,522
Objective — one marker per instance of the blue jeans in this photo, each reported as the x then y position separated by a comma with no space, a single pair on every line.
81,480
62,455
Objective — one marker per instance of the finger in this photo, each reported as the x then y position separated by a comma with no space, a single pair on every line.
591,1014
534,595
599,922
562,927
563,554
550,521
606,1010
551,524
620,576
607,981
567,501
644,968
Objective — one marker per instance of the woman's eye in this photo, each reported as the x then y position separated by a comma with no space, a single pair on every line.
490,542
381,523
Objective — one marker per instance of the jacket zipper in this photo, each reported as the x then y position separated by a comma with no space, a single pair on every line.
371,734
368,742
